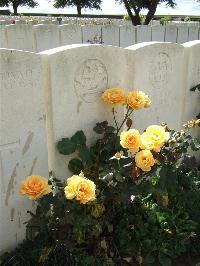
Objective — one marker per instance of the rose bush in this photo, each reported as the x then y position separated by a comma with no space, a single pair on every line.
130,199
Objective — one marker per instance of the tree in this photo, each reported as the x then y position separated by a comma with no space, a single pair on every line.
96,4
16,3
134,8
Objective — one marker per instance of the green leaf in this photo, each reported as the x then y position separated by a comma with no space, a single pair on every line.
66,146
75,166
84,153
103,127
168,178
195,144
150,258
79,138
164,259
197,87
109,129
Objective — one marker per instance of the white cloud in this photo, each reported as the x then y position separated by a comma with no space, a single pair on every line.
184,7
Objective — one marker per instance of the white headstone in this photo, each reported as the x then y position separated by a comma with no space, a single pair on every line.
183,33
127,36
70,34
192,99
110,35
193,33
46,37
158,33
159,72
143,33
79,74
20,37
23,149
3,39
92,34
171,33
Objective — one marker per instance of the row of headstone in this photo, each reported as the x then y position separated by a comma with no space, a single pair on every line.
43,37
47,96
6,20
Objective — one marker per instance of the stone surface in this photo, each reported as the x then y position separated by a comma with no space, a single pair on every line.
46,37
70,34
159,72
23,149
158,33
194,33
110,35
92,34
79,74
20,37
127,36
171,33
192,99
3,39
143,34
183,34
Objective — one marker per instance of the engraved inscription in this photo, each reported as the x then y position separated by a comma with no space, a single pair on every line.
13,78
90,80
161,70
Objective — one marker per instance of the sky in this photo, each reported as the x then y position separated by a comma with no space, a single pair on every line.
184,7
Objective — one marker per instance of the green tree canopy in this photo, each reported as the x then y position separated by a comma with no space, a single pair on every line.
134,8
16,3
96,4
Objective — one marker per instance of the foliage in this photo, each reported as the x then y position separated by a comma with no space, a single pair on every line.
17,3
138,217
80,4
164,20
134,8
196,88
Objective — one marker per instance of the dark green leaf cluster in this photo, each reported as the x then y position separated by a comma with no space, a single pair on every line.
138,218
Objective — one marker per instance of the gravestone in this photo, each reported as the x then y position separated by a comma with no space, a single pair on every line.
158,33
79,74
20,37
46,37
194,33
3,39
192,99
127,36
110,35
143,33
171,33
183,33
70,34
23,149
92,34
159,72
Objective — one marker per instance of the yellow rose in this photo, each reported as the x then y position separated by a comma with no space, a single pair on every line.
80,188
147,102
154,138
114,96
35,186
137,100
144,160
130,140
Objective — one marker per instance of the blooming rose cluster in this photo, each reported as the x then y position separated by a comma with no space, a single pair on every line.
134,99
80,188
151,140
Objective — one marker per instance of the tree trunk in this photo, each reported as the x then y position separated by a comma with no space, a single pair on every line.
15,6
135,19
79,10
151,12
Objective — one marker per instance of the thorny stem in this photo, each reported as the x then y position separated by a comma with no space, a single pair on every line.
128,113
113,111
